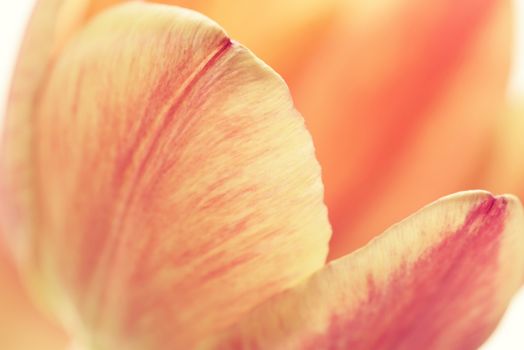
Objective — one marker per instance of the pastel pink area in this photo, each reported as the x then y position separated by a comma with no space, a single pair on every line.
426,300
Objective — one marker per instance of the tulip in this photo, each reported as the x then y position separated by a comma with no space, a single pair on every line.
161,191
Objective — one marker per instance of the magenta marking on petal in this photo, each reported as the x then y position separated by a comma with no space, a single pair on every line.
430,297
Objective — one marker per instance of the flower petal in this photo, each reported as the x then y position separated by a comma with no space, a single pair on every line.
505,156
387,96
52,24
29,72
177,186
22,326
440,279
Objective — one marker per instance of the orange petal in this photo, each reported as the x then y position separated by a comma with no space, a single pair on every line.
22,326
440,279
176,185
505,168
388,95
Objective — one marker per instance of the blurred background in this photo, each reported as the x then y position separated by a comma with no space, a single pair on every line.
403,82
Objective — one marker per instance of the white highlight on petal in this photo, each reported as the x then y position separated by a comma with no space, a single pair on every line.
509,335
13,20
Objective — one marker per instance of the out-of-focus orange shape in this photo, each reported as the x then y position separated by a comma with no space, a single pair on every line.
411,109
22,326
505,161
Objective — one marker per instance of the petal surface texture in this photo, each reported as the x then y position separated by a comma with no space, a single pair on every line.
440,279
176,185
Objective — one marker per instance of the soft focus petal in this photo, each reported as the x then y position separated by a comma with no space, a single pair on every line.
22,326
440,279
30,70
506,155
176,186
52,24
401,99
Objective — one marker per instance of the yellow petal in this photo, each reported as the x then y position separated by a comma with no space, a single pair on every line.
505,160
176,183
29,73
440,279
22,325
